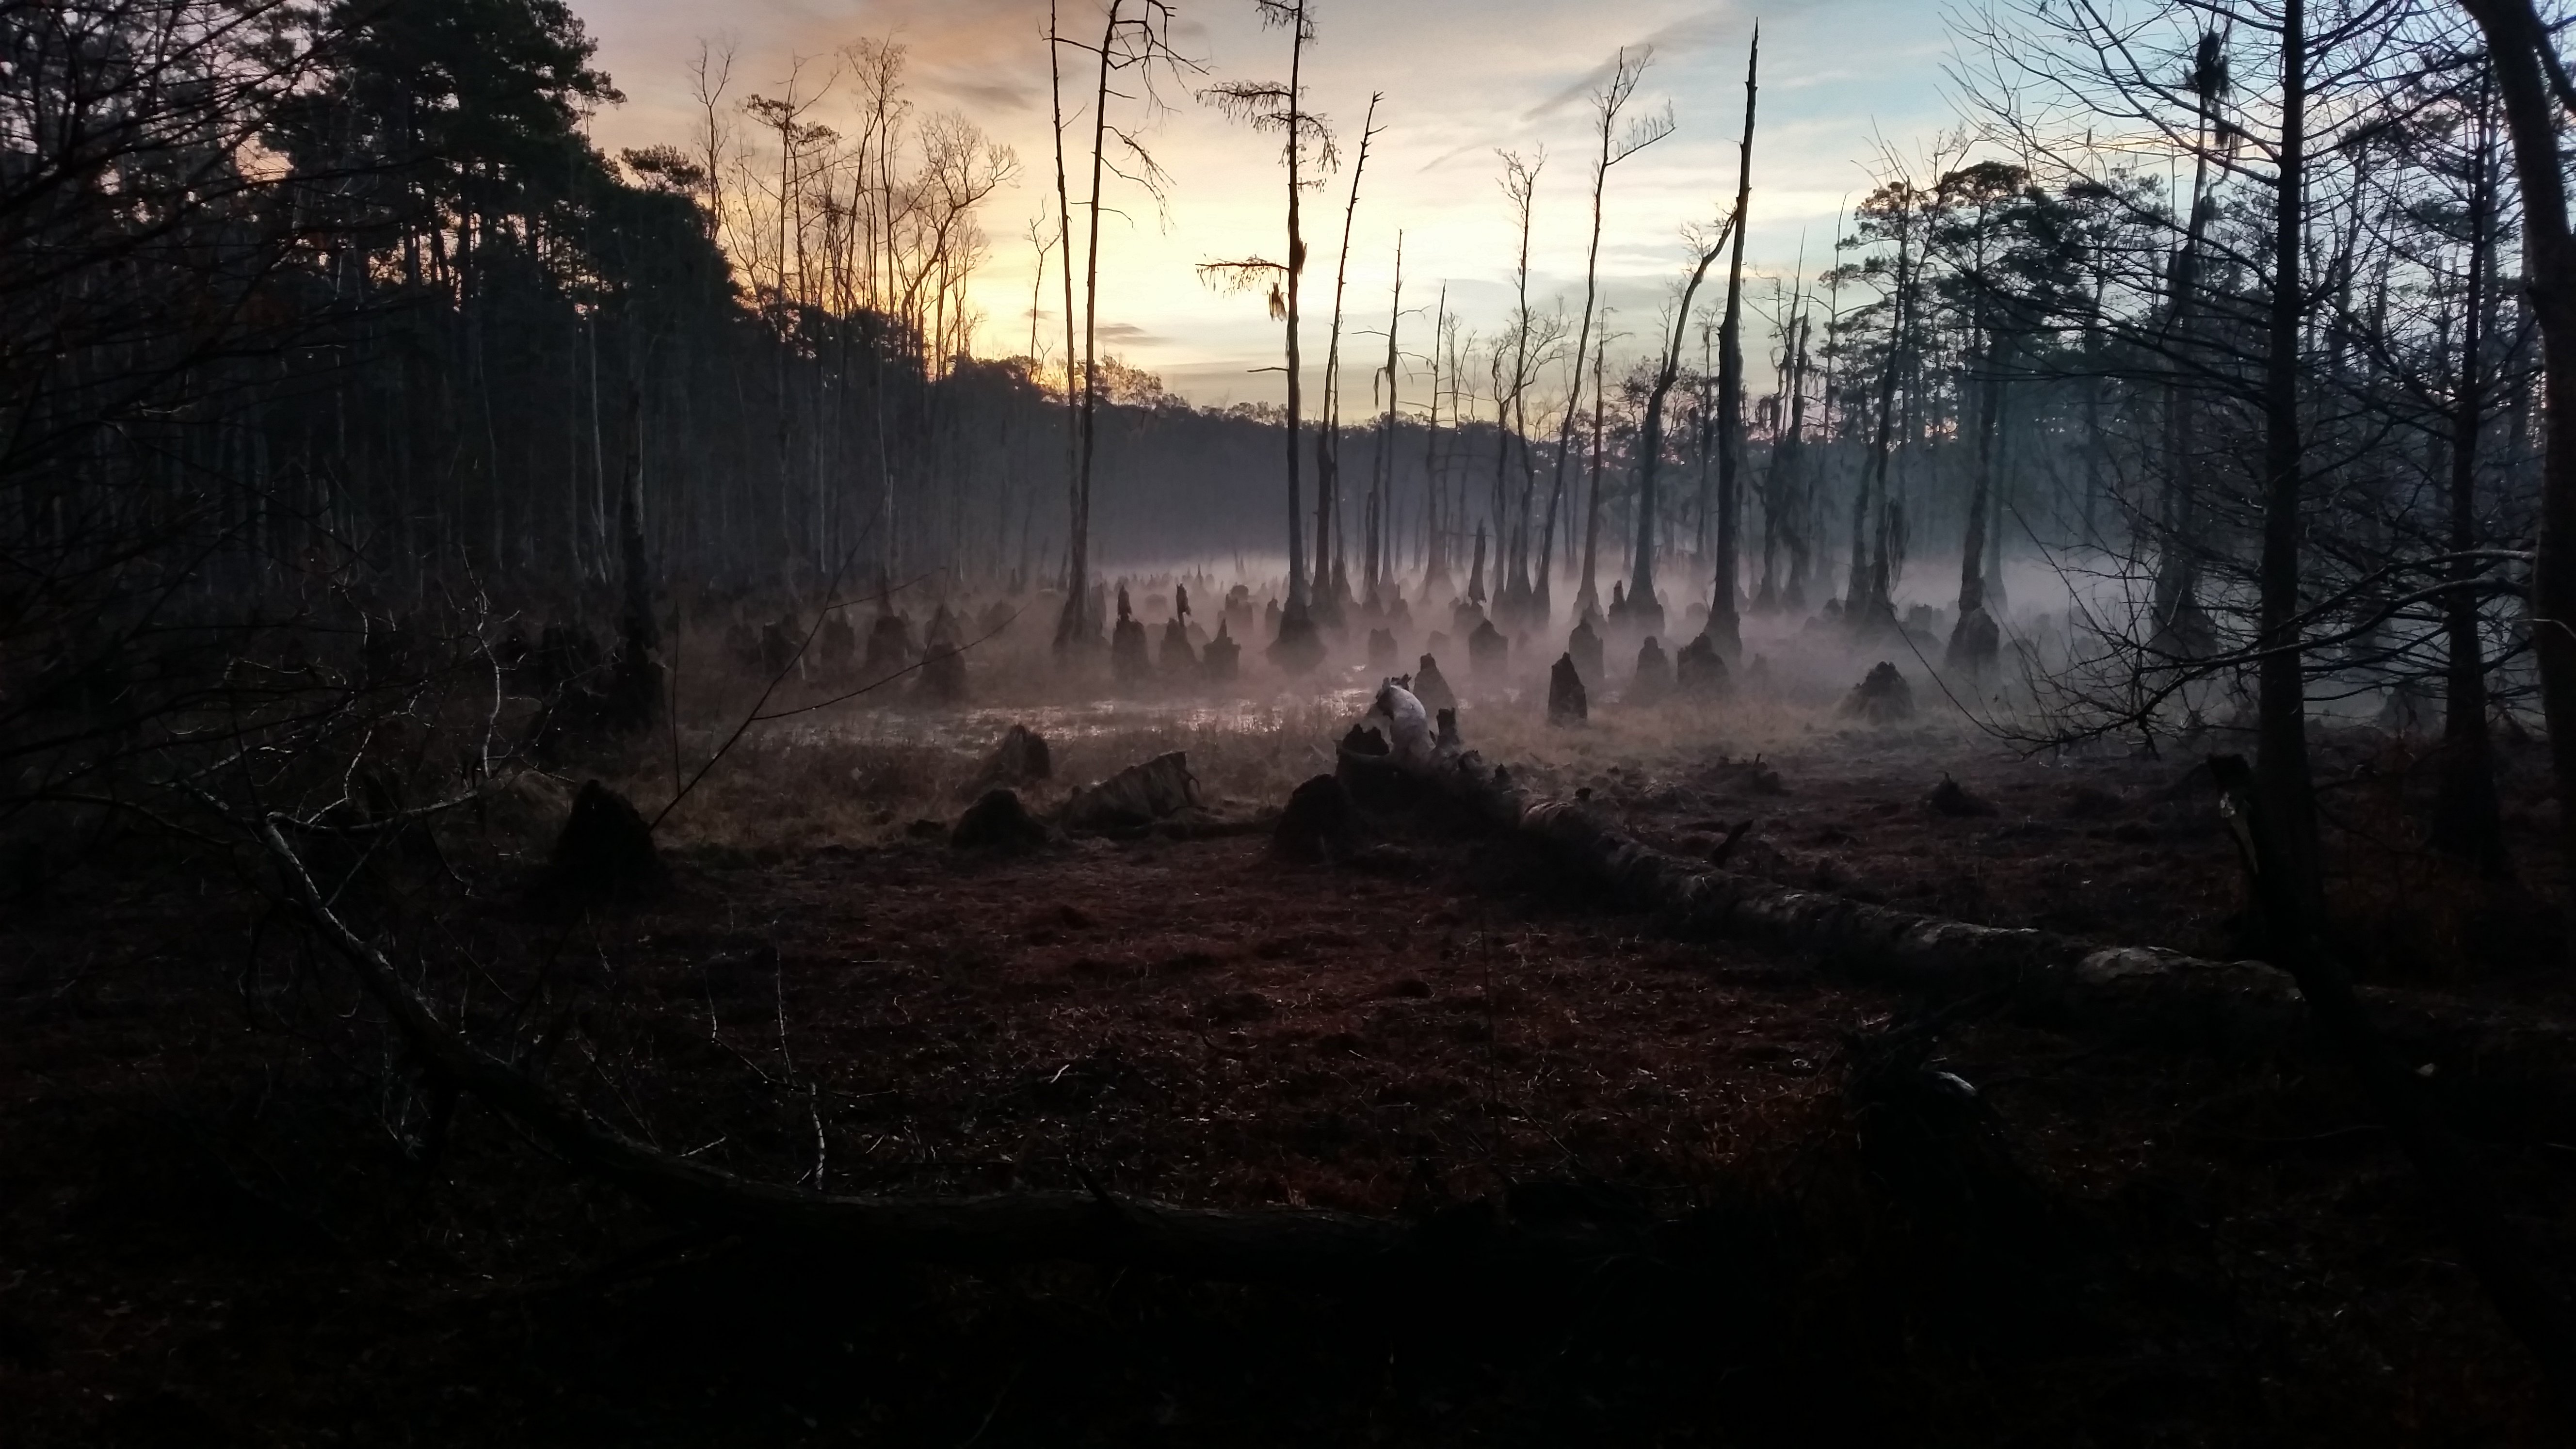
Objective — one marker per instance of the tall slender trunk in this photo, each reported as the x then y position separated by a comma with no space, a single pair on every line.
1091,300
1382,471
1511,417
1295,614
1435,565
2467,825
1723,627
1586,601
2281,745
636,682
2516,38
1587,598
1072,627
1332,574
1780,513
1642,603
2179,624
1865,603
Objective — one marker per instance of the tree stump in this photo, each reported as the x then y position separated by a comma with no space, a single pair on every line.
1381,648
1950,798
1699,671
780,638
1653,680
1296,648
889,645
1135,797
1320,823
1488,652
943,663
838,645
1431,688
1974,643
1219,663
1882,698
1127,662
1583,646
998,822
1021,758
1565,703
1177,660
605,852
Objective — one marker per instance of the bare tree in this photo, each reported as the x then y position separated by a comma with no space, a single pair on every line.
1645,613
1306,147
1723,626
2532,81
1135,38
1332,576
1608,102
1511,393
1382,462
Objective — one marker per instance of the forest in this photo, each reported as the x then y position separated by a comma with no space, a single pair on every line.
628,814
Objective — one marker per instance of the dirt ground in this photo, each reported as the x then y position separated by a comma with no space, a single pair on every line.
232,1212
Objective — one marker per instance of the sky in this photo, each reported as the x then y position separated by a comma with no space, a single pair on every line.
1459,79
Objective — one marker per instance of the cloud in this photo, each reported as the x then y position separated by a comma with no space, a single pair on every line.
1679,38
1127,332
982,90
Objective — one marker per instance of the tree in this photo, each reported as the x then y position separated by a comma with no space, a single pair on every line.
1723,626
1608,101
1382,462
1974,204
2532,82
1332,583
1511,393
1306,145
1645,609
1136,41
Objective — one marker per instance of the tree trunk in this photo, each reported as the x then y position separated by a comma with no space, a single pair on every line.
2467,826
1865,603
2516,36
1587,598
1974,639
1072,627
1382,472
636,683
1724,628
1643,606
1296,628
2289,794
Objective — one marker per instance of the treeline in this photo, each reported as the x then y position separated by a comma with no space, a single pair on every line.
307,295
321,320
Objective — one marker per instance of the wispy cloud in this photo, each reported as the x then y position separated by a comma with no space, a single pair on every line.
1679,38
980,89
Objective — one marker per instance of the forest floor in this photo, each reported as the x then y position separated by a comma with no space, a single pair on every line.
230,1213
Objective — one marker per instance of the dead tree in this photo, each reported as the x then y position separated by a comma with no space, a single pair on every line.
1137,40
1513,594
1607,102
1332,575
1723,625
1270,106
1645,610
2532,81
1382,463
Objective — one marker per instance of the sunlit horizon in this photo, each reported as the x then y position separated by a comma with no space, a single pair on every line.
1838,79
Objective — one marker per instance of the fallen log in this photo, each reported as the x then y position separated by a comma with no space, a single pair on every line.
2515,1064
